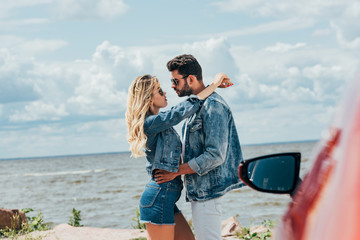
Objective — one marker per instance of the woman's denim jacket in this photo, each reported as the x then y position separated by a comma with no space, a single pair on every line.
212,150
163,143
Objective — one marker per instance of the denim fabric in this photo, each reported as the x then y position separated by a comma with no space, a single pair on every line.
212,150
158,202
163,143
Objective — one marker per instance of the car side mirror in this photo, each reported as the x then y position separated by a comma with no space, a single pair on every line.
275,173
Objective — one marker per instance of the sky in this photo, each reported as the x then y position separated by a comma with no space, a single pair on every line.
66,66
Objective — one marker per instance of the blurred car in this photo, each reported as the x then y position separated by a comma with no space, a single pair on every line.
326,204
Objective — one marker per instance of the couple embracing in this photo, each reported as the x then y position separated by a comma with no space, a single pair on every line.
208,153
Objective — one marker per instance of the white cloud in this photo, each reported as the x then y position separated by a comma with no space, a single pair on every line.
284,123
319,71
285,25
352,9
347,25
11,24
40,46
322,32
346,39
234,5
291,86
97,94
111,8
93,87
307,75
98,86
340,16
15,84
58,139
102,88
326,80
9,11
283,47
283,8
214,55
289,61
7,7
39,111
50,91
30,47
90,9
63,9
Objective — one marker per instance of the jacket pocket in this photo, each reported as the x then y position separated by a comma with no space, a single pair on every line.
149,196
197,124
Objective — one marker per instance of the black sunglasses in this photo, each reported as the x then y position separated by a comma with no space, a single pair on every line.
161,92
176,81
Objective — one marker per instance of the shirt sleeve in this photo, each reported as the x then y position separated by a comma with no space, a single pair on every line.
166,119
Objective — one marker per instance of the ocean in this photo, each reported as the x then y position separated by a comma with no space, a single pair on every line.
106,188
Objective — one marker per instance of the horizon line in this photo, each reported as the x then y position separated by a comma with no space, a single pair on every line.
111,153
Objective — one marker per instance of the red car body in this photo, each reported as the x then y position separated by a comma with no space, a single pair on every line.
327,203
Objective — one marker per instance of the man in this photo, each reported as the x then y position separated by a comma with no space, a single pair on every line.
211,150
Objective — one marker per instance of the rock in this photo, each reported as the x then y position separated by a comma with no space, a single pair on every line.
258,229
230,227
12,218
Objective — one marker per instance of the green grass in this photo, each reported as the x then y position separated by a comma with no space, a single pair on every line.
136,219
245,234
35,223
75,219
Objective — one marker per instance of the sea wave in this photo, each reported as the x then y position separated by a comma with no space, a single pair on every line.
58,173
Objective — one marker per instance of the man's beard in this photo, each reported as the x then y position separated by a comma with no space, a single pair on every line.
185,91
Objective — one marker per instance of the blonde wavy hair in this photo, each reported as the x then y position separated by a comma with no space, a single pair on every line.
138,105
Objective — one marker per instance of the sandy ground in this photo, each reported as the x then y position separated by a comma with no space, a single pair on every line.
67,232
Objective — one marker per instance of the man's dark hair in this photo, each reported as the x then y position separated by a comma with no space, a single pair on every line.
186,65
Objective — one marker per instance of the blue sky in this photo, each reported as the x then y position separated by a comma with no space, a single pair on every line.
66,65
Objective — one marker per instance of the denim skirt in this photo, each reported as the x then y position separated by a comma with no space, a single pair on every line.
158,202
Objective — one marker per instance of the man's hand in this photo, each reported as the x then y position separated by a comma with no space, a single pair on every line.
162,176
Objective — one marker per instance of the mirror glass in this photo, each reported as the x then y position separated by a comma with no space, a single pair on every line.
275,173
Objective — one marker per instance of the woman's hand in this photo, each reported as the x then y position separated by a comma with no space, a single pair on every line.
162,176
221,80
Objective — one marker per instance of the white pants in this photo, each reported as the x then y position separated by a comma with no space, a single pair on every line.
206,217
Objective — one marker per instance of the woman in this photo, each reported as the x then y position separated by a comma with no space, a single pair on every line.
152,131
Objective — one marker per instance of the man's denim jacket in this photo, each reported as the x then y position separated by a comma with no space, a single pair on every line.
212,150
163,143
